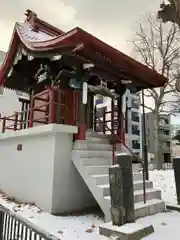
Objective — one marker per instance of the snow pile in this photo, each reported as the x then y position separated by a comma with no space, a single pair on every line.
164,181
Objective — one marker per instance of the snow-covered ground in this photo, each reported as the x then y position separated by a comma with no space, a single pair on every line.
164,180
167,225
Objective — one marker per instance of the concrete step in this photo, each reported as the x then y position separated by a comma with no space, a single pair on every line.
87,145
97,135
150,194
137,176
136,167
149,208
96,161
138,195
92,153
138,185
95,170
102,179
142,209
97,140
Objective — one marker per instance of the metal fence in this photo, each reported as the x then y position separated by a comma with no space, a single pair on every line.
166,166
15,227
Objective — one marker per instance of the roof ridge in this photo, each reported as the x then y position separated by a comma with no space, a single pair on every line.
37,23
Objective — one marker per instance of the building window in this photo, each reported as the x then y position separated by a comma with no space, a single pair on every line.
135,144
135,130
135,103
135,117
166,132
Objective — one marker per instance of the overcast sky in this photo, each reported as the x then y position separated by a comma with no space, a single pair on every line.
112,21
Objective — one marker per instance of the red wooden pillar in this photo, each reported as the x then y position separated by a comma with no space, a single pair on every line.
121,131
30,122
51,105
16,121
75,107
4,125
81,111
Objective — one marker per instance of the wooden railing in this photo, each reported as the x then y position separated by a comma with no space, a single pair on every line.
115,138
109,124
41,111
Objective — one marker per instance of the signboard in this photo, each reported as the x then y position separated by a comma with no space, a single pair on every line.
85,92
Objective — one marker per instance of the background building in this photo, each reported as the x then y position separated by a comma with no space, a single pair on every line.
165,135
132,118
174,129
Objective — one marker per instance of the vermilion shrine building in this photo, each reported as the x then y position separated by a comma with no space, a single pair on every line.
51,66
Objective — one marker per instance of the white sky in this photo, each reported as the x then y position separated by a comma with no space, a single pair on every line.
112,21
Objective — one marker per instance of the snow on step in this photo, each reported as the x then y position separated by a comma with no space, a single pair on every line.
138,185
138,195
93,170
104,178
97,135
92,158
87,145
97,140
96,161
92,153
149,208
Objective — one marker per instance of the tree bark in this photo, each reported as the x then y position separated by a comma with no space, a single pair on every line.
157,147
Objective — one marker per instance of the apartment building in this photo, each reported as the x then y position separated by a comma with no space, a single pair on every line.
164,133
132,122
174,129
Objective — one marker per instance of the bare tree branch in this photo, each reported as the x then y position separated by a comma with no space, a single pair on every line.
157,45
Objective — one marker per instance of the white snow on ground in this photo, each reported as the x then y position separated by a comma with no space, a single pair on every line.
167,225
164,180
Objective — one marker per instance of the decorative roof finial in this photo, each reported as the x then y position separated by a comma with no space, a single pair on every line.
31,18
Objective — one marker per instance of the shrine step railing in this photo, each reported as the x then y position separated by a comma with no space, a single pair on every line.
41,111
118,139
14,226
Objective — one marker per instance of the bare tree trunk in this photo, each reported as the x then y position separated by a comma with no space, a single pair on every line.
157,147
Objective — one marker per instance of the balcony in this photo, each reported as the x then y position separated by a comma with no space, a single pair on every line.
163,125
164,137
166,148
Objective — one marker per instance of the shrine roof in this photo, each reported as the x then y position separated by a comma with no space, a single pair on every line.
37,36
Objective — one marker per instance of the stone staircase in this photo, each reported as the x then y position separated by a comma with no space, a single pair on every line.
92,158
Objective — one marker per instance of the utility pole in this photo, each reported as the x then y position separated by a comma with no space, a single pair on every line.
144,140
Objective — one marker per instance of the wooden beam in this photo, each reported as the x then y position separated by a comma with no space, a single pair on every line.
109,65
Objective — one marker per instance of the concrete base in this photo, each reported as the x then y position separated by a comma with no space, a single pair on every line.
131,231
173,207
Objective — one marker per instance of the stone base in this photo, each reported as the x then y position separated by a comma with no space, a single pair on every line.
130,231
174,207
